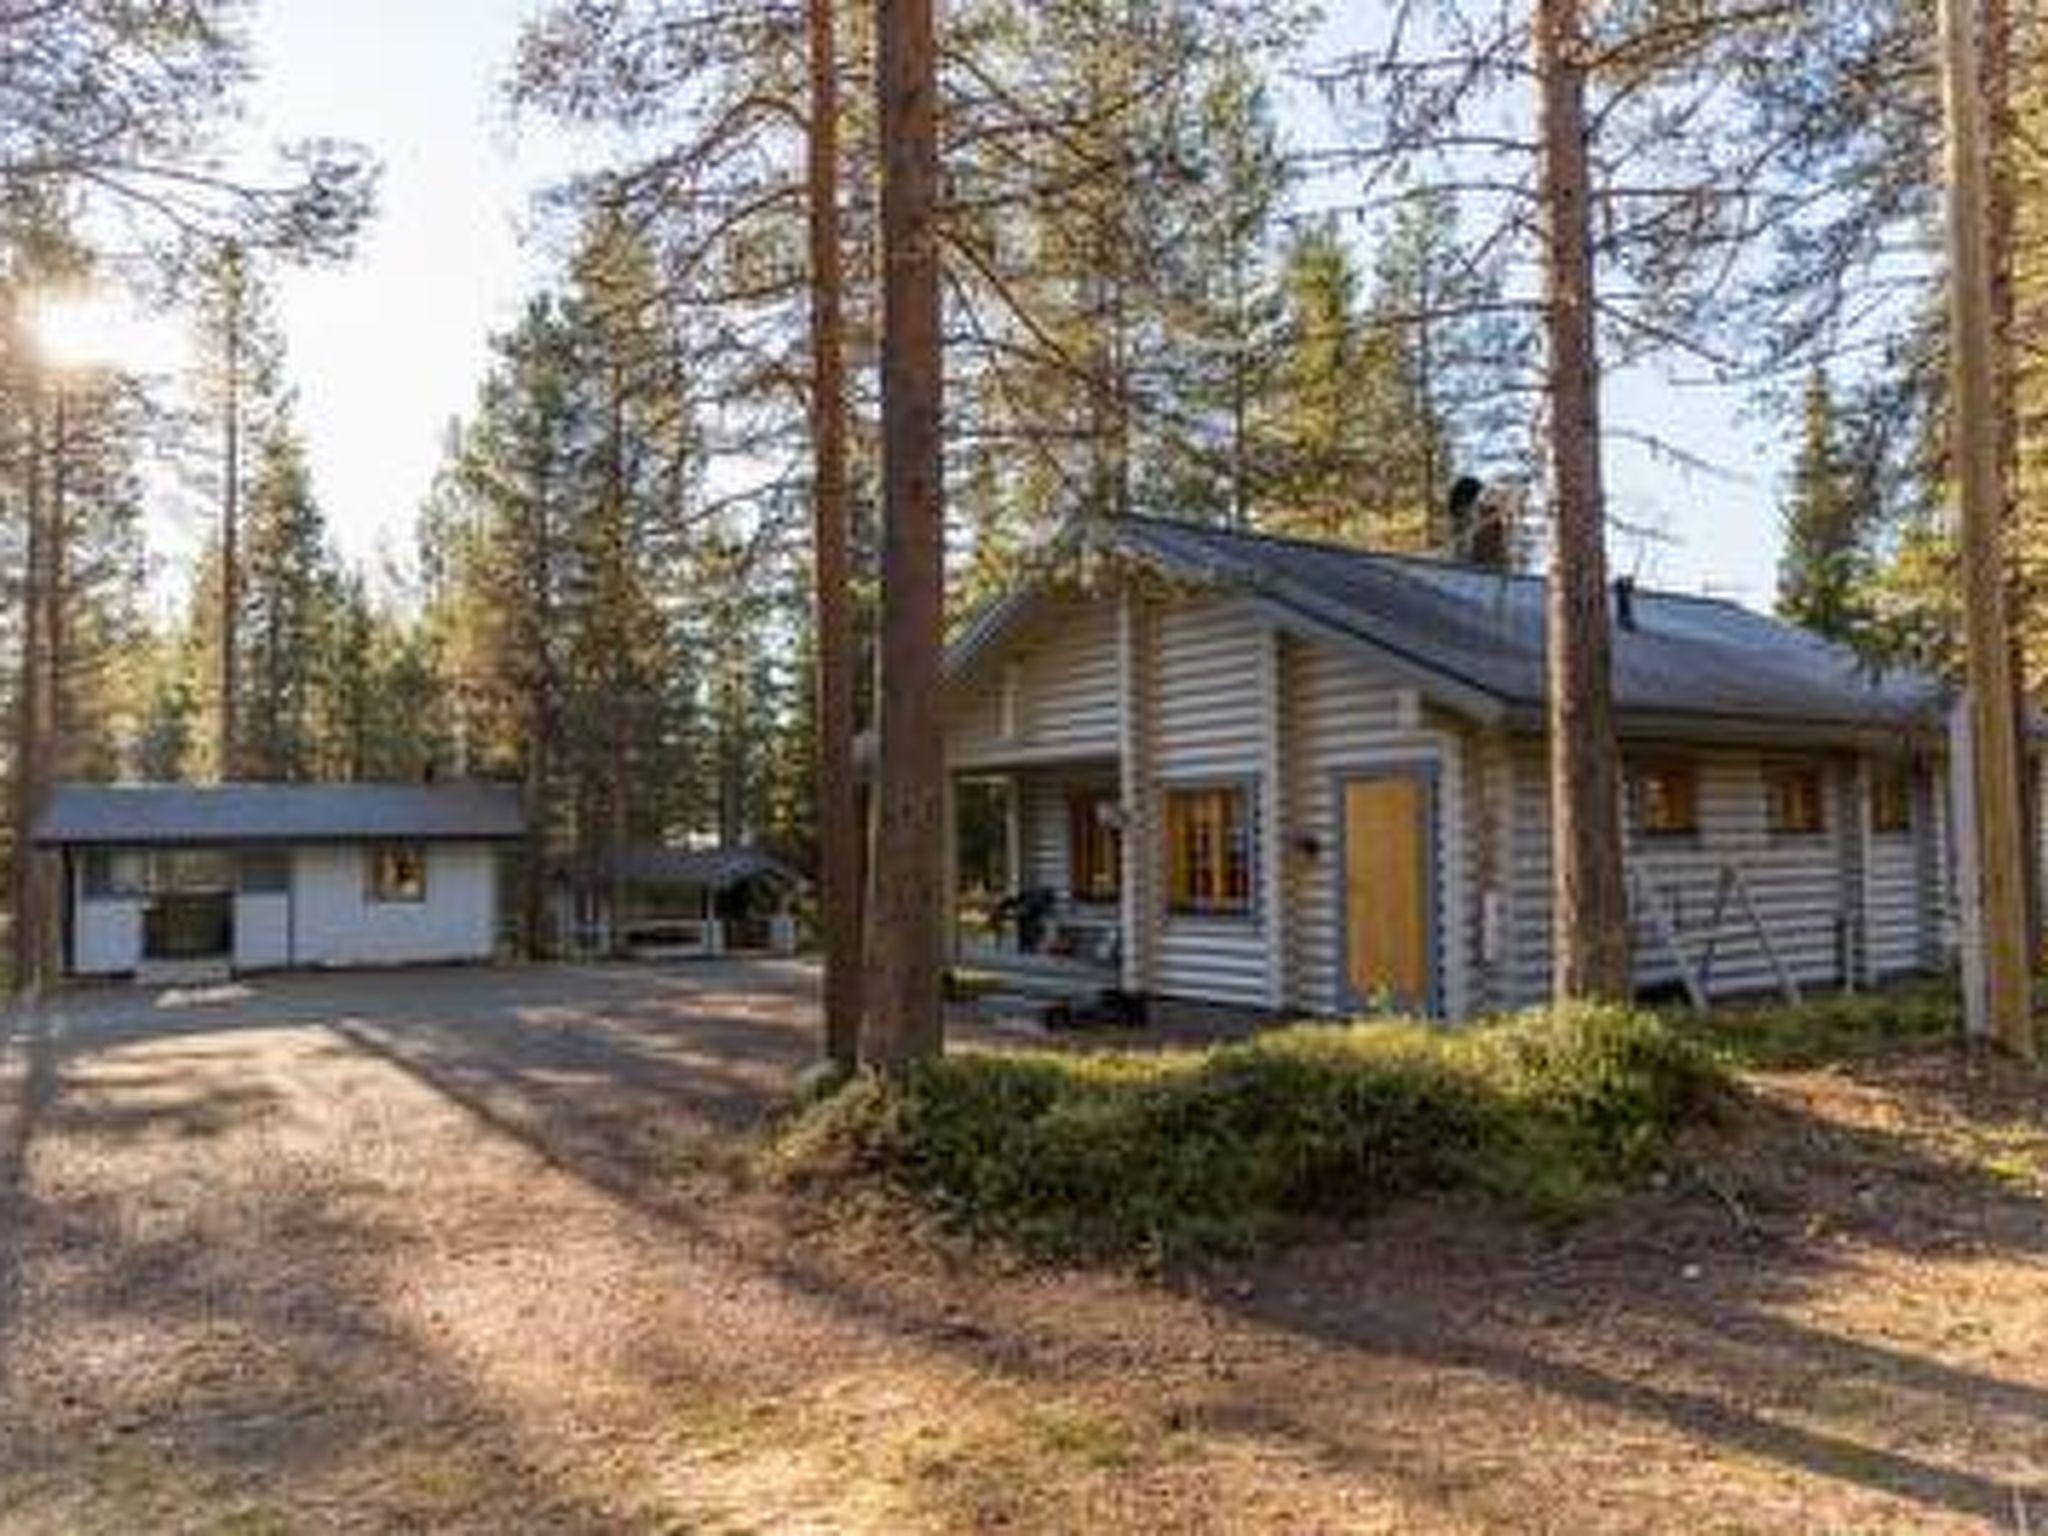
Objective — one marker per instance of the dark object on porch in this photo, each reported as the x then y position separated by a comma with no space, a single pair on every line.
1031,910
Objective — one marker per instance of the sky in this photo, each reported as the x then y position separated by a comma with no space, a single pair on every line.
387,349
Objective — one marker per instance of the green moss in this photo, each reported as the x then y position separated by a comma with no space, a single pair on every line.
1171,1152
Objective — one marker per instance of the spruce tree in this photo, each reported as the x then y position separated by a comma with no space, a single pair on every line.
1824,570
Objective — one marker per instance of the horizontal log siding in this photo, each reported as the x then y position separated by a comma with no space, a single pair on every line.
1065,680
1342,717
1048,826
1207,718
1899,910
1795,880
1044,806
1941,895
1902,914
1493,784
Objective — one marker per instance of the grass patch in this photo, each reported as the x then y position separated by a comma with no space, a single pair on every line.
1163,1154
1829,1028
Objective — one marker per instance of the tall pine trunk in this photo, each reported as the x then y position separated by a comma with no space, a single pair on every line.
2003,1007
2001,216
230,520
31,739
906,1020
1590,943
838,798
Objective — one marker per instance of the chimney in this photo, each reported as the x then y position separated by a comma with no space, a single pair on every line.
1478,519
1460,516
1624,602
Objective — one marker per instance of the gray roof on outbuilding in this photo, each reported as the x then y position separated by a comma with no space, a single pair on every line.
1482,632
83,814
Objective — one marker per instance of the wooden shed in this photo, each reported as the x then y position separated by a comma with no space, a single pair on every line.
1201,763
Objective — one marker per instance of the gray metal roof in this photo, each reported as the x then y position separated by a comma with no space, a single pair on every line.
1483,630
245,813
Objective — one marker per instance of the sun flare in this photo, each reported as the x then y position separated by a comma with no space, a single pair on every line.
81,330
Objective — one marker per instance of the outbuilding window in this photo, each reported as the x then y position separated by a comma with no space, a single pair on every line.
115,873
1796,797
266,871
1208,850
398,872
1667,798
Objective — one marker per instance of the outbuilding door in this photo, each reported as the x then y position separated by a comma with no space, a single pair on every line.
189,925
1388,911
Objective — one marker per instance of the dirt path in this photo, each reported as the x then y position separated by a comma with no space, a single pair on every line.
463,1251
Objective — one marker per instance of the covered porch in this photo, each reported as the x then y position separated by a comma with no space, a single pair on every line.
1035,870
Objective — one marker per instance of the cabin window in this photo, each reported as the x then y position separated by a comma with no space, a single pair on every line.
115,873
1667,797
266,871
1094,846
1794,795
398,872
1208,850
1891,798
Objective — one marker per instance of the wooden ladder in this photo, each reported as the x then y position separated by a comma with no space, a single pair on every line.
1698,977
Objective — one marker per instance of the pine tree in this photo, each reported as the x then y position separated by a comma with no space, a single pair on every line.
1589,902
1348,433
1200,447
1317,449
69,493
1112,224
906,1021
1459,350
1824,572
287,592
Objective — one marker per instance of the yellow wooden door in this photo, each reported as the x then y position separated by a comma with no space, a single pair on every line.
1386,890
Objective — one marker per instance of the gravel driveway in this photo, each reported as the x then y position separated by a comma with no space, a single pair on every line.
475,1251
349,1251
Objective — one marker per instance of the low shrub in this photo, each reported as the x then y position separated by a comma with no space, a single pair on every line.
1164,1154
1829,1027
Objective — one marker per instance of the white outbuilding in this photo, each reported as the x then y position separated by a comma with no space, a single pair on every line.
248,877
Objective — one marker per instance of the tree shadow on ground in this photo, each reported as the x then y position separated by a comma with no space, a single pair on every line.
1782,1305
1604,1319
224,1355
1681,1326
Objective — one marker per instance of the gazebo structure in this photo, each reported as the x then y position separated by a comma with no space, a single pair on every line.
676,902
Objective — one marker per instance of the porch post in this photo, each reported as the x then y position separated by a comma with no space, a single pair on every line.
1133,791
1863,970
1272,842
1013,832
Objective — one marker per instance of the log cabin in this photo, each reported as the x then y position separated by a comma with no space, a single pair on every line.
1195,763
